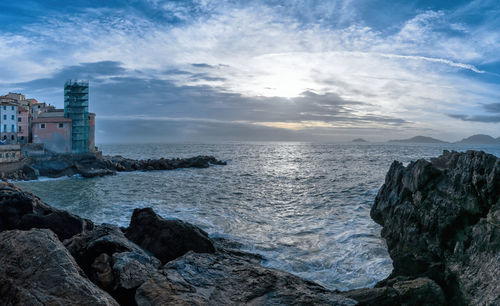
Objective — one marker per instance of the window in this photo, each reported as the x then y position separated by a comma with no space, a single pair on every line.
12,137
12,107
4,107
4,117
1,155
61,125
6,155
12,128
13,117
5,128
42,125
13,155
19,119
20,130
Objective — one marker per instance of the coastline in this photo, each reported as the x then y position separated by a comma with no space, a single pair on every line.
95,165
426,285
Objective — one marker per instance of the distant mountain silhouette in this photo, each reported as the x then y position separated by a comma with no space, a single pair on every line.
419,139
359,140
480,139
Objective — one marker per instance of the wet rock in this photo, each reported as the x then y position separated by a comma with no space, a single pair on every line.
440,220
166,239
36,269
225,279
103,239
22,210
418,292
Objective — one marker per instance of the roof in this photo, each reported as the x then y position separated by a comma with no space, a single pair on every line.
52,114
50,119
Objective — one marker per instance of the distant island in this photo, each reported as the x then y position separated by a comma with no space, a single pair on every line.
419,139
359,140
474,139
480,139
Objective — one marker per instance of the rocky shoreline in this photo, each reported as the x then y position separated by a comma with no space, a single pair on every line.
93,165
440,218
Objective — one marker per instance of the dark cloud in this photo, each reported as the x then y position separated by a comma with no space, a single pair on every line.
202,65
130,103
477,118
493,107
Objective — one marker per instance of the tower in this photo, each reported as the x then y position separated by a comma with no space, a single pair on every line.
76,107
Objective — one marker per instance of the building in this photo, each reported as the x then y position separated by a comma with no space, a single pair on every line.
53,130
23,125
10,153
8,123
76,104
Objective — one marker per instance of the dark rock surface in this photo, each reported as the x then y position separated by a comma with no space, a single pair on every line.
93,165
166,239
225,279
36,269
22,210
113,262
441,220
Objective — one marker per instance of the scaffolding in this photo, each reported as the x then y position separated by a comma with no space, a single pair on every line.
76,107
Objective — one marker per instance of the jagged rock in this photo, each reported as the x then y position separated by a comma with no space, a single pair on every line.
225,279
166,239
113,262
22,210
441,220
36,269
417,292
93,165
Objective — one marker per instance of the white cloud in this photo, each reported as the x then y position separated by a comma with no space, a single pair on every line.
413,74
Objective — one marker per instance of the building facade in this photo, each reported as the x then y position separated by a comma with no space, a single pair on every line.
23,125
10,153
54,131
76,108
8,123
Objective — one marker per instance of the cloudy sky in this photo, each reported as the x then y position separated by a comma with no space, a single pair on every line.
289,70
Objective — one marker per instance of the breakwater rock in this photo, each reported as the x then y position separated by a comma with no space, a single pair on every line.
93,165
152,262
441,221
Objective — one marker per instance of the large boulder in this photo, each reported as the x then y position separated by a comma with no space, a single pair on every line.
113,262
22,210
440,220
225,279
36,269
166,239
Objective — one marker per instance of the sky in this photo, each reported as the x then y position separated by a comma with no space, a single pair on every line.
268,70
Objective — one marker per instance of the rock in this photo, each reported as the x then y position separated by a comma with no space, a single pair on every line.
418,292
22,210
113,262
166,239
440,220
36,269
225,279
30,173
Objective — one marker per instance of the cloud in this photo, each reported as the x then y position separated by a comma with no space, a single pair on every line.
296,66
477,118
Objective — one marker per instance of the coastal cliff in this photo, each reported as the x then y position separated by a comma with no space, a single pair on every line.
440,218
92,165
441,222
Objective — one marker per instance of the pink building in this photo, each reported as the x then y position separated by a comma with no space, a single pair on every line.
53,130
22,125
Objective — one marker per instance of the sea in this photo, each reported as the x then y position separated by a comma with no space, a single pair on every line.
305,207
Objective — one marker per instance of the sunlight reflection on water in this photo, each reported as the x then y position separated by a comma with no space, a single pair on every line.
305,207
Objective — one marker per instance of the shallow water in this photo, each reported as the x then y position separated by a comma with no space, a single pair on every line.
304,207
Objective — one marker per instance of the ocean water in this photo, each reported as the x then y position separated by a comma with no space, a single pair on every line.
305,207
